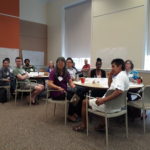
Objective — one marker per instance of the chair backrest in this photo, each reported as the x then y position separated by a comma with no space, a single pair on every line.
146,94
116,103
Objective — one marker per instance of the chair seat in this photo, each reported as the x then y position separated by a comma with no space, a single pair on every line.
108,115
139,104
6,87
57,101
20,90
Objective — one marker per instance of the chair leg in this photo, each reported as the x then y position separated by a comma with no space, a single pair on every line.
46,104
87,122
144,120
126,124
66,112
21,96
106,127
54,109
30,98
15,97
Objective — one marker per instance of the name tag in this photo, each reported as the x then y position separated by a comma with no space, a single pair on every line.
60,78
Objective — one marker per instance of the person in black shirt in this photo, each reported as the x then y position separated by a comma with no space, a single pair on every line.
98,73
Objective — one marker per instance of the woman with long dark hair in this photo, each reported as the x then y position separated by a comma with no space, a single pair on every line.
58,79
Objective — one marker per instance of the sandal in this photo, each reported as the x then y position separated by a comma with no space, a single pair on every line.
71,119
79,128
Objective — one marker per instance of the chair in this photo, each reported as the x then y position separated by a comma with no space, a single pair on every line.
50,100
119,102
19,89
7,87
142,103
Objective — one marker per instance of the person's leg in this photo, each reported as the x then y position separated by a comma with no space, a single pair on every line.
37,90
82,126
72,108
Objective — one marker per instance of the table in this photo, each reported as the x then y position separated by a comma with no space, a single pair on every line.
102,83
39,76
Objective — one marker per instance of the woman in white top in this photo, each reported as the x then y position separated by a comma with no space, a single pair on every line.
72,71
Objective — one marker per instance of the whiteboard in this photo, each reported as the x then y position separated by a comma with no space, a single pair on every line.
36,57
10,53
119,35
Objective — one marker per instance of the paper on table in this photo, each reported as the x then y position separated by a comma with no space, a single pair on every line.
33,74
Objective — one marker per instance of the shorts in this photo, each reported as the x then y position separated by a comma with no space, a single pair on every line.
95,107
101,108
27,86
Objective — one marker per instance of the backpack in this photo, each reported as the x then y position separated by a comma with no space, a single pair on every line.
3,95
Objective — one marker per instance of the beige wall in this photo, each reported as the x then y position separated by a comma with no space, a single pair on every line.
34,10
55,16
101,8
33,37
118,31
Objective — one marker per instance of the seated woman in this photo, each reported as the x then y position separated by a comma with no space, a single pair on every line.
50,66
132,74
70,68
98,73
133,77
58,79
6,76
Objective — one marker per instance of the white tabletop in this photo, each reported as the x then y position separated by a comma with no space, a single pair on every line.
102,83
38,75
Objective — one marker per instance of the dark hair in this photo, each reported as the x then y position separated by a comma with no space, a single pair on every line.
98,60
26,60
18,58
7,59
129,61
119,62
69,58
64,69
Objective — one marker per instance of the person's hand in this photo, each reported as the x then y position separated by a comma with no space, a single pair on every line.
73,86
99,101
6,80
110,74
27,75
61,89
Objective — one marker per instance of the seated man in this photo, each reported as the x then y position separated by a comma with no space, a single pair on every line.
117,81
21,75
27,67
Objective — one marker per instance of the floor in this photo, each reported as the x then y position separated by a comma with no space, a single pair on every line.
25,128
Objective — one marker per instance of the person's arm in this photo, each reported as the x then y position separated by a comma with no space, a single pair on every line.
103,74
71,83
22,77
54,86
34,68
1,77
110,75
115,94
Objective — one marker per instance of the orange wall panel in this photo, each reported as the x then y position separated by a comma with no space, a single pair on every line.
9,32
10,7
